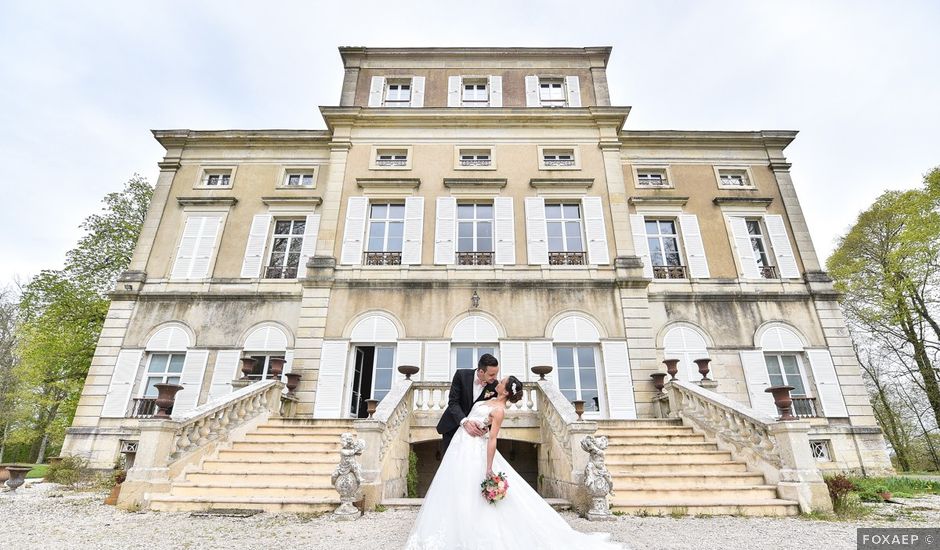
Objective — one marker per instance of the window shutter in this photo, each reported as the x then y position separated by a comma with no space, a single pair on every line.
254,250
437,362
742,243
196,247
408,353
694,247
573,89
353,234
536,231
122,382
445,241
827,383
686,345
757,380
417,91
595,230
642,246
309,246
777,231
453,91
329,398
505,229
512,359
413,231
620,400
532,92
194,367
541,353
496,91
224,372
376,90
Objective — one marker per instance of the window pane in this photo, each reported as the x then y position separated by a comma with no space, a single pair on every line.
656,255
566,378
773,366
465,211
465,358
667,227
573,233
176,363
293,179
776,380
158,362
295,245
384,357
282,227
565,357
652,228
572,212
556,244
152,391
395,230
465,245
277,259
465,230
553,211
298,227
481,351
396,211
280,245
485,211
293,259
484,230
592,402
379,211
753,227
585,357
173,380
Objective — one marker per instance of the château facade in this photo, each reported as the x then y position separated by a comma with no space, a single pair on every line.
477,200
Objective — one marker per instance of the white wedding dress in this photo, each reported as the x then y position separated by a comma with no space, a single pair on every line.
455,516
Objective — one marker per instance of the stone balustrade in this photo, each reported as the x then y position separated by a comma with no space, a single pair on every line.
433,396
561,459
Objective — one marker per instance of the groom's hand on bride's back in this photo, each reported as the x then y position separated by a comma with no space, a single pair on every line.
473,428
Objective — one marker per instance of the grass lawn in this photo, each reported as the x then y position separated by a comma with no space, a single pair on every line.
870,489
39,470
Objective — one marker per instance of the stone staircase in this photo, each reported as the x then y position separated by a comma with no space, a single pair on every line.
283,465
663,467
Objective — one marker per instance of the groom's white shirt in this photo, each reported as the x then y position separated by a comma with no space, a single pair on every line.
477,390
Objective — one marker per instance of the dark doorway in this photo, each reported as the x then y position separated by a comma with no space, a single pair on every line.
523,456
362,381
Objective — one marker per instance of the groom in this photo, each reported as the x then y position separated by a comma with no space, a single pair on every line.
468,387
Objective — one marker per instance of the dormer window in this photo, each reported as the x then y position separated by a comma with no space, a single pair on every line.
391,158
552,92
474,93
398,93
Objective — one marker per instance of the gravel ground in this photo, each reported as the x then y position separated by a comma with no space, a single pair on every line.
44,516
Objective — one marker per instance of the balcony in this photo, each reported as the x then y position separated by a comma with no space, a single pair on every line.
382,258
558,162
474,258
670,272
391,162
143,407
476,162
769,272
805,407
566,258
280,272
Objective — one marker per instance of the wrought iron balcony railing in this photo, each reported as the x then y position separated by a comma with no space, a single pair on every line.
476,162
391,162
805,407
670,272
566,258
143,407
769,272
280,272
474,258
559,162
382,258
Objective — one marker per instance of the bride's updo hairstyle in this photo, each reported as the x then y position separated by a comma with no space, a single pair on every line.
514,387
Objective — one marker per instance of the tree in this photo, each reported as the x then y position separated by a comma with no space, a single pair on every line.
7,364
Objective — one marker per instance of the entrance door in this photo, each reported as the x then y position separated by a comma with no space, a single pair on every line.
372,377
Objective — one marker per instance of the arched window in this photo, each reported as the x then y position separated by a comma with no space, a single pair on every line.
262,344
166,355
374,340
686,344
577,356
470,339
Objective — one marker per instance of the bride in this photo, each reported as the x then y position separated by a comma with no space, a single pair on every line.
455,516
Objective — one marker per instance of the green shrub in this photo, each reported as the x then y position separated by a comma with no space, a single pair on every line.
839,489
412,474
70,471
874,489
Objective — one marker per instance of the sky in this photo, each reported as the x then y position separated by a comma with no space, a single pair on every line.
83,83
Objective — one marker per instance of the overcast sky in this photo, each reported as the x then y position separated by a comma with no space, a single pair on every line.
82,84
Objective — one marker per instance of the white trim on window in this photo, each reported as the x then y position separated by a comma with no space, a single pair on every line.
650,182
559,157
474,157
742,173
391,157
298,177
215,176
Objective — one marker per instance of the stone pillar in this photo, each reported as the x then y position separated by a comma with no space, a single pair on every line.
617,195
371,432
800,479
638,328
151,472
161,193
311,328
804,242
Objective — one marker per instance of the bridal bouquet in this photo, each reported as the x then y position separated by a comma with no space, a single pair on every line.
494,487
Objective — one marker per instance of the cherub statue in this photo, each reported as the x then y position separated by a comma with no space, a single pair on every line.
597,479
347,477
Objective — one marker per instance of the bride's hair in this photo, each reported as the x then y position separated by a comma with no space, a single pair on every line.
514,387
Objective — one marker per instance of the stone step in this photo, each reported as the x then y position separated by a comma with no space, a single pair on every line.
684,480
171,503
291,437
300,430
631,447
643,438
257,454
249,489
413,503
640,422
270,447
259,478
658,467
673,456
691,495
341,424
648,430
715,507
270,464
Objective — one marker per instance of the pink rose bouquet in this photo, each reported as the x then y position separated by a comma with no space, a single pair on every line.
494,487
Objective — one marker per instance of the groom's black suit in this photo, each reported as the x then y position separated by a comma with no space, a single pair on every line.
459,404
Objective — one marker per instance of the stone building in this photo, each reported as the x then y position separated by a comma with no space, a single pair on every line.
471,200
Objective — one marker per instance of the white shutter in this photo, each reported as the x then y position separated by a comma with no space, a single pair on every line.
376,90
329,398
408,353
827,383
309,246
417,91
445,238
742,243
777,231
573,89
512,359
757,380
541,353
194,367
413,231
536,231
196,247
640,244
496,91
620,400
122,382
224,372
686,345
354,232
254,250
505,231
437,362
288,365
694,248
453,91
532,92
171,338
595,231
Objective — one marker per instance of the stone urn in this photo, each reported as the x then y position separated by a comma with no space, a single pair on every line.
783,401
541,370
248,366
371,406
276,366
578,407
4,474
408,371
17,476
703,367
672,367
166,397
293,380
659,380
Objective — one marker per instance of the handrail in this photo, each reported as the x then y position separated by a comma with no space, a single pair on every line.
433,396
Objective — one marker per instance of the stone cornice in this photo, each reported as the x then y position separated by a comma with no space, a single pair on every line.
658,201
743,201
381,183
353,56
206,201
309,200
779,139
189,138
554,183
475,183
462,116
